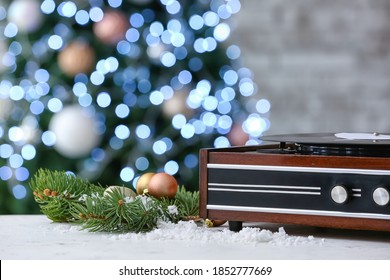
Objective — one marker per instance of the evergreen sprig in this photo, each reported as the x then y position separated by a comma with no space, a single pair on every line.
57,191
188,203
67,198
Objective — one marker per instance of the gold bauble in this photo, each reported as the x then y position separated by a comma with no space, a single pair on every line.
77,57
143,182
214,223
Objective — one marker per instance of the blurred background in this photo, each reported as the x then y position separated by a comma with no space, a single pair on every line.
323,65
109,90
112,89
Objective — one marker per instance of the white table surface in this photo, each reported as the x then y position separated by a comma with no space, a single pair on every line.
31,237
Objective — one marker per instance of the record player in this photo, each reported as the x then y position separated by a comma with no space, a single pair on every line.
339,180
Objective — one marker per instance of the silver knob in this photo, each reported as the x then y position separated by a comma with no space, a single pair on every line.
339,194
381,196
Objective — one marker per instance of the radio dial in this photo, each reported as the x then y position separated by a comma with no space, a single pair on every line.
381,196
339,194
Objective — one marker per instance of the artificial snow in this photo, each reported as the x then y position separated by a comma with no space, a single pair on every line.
191,232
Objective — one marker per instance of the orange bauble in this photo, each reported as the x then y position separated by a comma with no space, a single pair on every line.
237,136
77,57
162,185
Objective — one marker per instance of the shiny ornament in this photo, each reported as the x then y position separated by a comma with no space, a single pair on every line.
126,192
77,57
112,28
155,51
26,15
214,223
143,182
74,128
237,136
163,185
177,105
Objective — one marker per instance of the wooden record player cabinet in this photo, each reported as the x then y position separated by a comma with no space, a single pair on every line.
245,196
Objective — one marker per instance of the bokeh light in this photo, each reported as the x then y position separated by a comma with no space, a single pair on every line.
169,87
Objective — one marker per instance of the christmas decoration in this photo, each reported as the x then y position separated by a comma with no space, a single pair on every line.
25,14
214,223
157,87
75,130
143,182
58,192
177,105
162,185
64,197
112,28
237,136
78,57
125,192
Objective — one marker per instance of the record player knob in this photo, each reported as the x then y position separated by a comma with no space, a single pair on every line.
339,194
381,196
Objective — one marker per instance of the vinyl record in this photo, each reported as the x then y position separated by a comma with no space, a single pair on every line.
337,144
332,138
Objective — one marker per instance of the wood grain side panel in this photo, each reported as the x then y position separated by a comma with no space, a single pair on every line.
203,159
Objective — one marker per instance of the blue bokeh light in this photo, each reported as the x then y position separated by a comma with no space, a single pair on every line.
96,14
159,147
142,163
137,20
122,132
82,17
19,191
168,59
143,131
48,6
28,152
10,30
6,150
115,3
171,167
127,174
48,138
122,111
37,107
22,174
67,9
191,161
5,173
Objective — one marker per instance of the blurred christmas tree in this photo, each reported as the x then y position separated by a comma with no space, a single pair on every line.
112,89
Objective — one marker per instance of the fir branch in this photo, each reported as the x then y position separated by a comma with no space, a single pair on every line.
143,214
187,203
168,209
115,213
65,198
56,191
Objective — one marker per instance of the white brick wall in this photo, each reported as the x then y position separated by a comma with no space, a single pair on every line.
323,64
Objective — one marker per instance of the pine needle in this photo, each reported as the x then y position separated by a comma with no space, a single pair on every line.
56,191
67,198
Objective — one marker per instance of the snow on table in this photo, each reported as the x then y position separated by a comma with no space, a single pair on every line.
36,237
